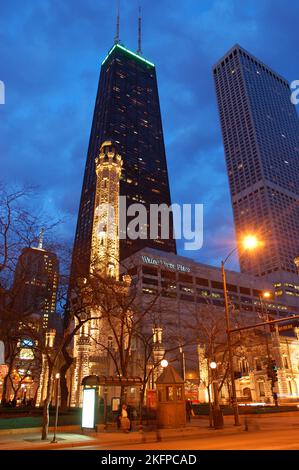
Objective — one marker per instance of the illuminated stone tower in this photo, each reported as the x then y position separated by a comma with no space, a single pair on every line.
90,357
105,239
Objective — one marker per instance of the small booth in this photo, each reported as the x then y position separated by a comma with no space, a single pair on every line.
95,398
171,404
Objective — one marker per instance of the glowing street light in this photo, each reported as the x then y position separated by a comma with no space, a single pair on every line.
213,365
267,294
250,242
164,363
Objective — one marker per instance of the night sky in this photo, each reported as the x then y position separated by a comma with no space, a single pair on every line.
51,52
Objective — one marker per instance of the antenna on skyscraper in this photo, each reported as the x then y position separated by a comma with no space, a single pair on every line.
41,239
139,51
116,39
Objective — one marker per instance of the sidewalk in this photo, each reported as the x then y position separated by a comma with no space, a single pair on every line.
105,439
111,438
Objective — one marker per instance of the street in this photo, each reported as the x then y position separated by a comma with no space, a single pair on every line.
264,433
257,432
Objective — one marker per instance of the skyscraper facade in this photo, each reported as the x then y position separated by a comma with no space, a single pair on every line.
127,112
260,130
36,282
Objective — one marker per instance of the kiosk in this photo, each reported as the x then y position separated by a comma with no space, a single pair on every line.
171,404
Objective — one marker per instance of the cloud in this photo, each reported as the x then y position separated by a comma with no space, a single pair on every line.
51,53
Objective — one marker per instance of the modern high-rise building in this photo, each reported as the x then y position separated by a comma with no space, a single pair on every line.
127,112
35,283
260,131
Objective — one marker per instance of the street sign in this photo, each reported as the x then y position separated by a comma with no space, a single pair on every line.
2,361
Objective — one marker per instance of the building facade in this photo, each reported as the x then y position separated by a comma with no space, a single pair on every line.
260,130
253,382
187,288
36,282
187,282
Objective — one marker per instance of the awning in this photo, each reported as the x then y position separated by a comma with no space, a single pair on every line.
96,380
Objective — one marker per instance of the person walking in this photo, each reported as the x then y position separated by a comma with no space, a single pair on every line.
188,410
124,419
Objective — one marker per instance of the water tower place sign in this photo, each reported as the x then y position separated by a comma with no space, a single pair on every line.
166,264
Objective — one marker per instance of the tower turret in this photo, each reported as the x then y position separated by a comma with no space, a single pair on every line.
105,237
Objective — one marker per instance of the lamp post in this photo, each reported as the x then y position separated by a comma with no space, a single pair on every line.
183,364
265,317
266,295
250,242
57,377
216,411
213,367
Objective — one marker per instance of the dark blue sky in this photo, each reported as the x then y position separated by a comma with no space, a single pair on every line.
51,51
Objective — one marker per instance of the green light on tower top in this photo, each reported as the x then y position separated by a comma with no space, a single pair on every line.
119,46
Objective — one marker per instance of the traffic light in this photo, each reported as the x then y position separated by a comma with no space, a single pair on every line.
272,370
269,371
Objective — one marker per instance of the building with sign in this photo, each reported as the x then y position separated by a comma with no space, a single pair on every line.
188,282
186,287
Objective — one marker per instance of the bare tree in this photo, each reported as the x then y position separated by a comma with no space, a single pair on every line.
206,327
19,229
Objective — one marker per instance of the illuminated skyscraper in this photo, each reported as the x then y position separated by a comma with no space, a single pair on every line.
35,283
127,111
260,131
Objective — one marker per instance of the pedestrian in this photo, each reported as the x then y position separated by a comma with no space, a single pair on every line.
130,412
118,416
188,410
124,419
275,397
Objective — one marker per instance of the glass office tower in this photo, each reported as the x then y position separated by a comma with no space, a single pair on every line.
127,111
260,131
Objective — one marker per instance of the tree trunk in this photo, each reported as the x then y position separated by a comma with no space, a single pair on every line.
123,395
46,419
64,392
5,385
46,415
4,391
210,408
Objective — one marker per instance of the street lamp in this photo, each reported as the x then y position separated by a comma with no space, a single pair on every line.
249,243
164,363
57,377
216,411
266,295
